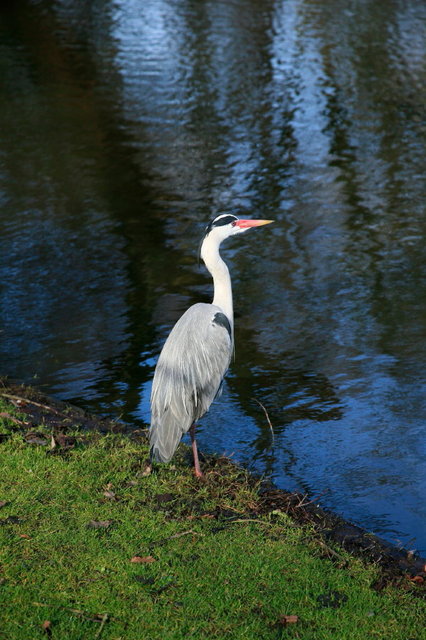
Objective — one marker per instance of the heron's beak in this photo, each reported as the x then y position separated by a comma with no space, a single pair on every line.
246,224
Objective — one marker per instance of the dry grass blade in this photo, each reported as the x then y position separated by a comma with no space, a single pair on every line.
103,621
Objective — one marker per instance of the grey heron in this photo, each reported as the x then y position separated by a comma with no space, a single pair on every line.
197,353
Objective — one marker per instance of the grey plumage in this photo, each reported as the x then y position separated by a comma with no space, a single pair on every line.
184,387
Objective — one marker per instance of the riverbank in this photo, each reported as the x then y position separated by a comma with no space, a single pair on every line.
94,546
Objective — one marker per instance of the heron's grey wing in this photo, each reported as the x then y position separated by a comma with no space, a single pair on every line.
188,375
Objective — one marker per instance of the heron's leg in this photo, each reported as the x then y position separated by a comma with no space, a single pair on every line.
197,469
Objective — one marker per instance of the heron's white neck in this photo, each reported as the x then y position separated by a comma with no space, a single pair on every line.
220,274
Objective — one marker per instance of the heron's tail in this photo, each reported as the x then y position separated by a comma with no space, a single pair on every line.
164,438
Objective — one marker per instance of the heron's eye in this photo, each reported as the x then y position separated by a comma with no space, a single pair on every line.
233,223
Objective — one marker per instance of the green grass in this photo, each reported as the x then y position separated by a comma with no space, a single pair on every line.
212,577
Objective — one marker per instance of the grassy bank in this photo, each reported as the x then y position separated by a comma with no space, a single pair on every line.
92,547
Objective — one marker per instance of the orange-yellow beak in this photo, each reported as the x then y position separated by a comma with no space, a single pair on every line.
246,224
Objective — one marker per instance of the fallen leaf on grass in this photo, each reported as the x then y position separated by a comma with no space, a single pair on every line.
35,438
25,535
285,620
109,493
99,524
8,416
143,559
417,579
3,503
147,470
61,442
47,628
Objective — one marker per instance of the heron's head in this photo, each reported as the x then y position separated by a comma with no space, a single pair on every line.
222,227
227,225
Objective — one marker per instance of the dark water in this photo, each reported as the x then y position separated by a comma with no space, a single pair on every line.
126,125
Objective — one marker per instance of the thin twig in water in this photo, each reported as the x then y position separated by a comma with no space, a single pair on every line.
269,422
302,502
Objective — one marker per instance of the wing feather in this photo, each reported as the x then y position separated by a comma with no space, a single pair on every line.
188,375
